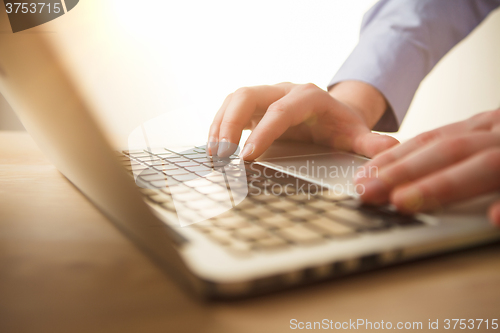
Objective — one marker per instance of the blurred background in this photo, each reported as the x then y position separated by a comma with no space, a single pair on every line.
137,61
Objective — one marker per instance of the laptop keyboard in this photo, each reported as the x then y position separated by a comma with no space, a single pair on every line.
264,220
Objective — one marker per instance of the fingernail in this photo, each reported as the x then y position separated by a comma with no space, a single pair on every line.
410,200
247,150
223,148
212,145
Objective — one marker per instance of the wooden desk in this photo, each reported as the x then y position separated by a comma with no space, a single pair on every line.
65,268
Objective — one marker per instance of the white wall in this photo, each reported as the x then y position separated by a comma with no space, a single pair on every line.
465,82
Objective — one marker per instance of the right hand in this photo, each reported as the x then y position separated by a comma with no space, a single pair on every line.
340,119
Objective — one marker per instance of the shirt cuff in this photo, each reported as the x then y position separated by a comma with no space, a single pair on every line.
391,64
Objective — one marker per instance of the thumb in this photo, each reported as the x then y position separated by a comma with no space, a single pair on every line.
370,144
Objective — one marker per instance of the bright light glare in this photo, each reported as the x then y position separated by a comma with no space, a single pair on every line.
211,48
138,60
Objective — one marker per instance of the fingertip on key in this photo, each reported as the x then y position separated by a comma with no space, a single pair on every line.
247,151
212,146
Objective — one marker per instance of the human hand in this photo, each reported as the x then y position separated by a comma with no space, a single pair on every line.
302,112
448,164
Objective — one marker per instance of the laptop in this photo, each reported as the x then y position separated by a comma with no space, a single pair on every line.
223,228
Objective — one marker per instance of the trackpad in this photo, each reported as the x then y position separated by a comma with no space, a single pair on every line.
333,170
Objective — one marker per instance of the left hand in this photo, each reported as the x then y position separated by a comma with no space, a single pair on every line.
442,166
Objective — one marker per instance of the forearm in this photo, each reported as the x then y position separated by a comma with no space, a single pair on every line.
363,98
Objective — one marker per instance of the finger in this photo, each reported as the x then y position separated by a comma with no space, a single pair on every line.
418,142
474,176
213,133
494,213
244,103
486,121
371,144
424,161
292,109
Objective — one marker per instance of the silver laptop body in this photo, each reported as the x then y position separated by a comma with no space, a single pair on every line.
260,243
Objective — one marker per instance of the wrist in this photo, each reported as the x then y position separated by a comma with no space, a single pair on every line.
364,99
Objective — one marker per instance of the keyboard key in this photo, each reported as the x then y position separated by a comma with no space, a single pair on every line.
166,155
130,162
258,211
211,189
321,204
133,152
221,196
185,178
356,218
276,222
232,222
331,228
234,173
222,237
160,198
154,162
189,196
215,164
187,152
245,204
264,198
234,184
283,205
148,172
301,212
216,177
148,158
198,183
168,205
330,195
159,183
176,172
140,155
187,164
165,167
136,167
270,243
239,248
300,234
177,189
214,210
206,159
198,168
149,191
200,204
150,178
301,197
203,173
155,150
187,215
390,217
176,159
253,232
196,155
204,226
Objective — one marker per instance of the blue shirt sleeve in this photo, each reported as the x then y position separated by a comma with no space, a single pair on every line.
401,41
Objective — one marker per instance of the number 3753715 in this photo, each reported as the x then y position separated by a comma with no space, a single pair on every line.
33,8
